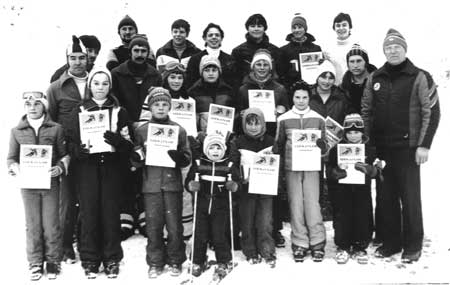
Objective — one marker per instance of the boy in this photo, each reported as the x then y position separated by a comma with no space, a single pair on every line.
43,236
213,169
163,191
255,210
308,231
352,203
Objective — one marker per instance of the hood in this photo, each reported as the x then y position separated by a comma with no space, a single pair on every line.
260,115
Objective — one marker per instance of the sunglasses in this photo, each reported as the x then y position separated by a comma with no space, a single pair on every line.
33,95
356,124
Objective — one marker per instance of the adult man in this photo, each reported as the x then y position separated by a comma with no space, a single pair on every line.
63,96
131,82
126,29
93,47
179,48
400,108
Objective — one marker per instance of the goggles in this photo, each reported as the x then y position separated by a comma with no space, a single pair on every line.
33,95
175,66
353,123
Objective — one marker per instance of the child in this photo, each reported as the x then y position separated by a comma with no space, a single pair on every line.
212,205
163,191
352,203
308,231
255,210
43,236
100,180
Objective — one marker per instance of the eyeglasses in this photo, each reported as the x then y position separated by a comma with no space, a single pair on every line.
175,66
33,95
355,123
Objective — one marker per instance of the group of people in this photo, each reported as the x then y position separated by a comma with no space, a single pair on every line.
102,198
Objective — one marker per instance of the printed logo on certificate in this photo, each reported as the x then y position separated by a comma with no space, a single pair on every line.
220,119
348,155
309,65
35,165
265,101
160,139
93,125
264,174
305,153
183,113
334,132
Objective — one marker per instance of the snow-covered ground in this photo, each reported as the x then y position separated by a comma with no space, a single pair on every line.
34,37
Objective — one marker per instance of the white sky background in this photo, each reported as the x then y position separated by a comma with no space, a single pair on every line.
34,40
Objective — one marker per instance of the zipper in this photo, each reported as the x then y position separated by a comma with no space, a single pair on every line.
212,187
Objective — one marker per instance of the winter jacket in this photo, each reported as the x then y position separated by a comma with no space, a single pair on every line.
289,65
337,105
158,179
120,54
294,120
205,94
60,71
167,53
401,111
226,62
243,55
130,94
353,90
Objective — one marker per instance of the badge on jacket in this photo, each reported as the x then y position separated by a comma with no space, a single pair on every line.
376,86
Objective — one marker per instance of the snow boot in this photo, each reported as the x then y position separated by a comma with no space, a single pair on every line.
175,269
155,271
318,255
111,269
221,271
342,256
254,259
410,257
361,256
271,261
299,253
53,269
279,240
36,270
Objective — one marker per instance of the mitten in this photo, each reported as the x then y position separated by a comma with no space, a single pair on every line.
231,186
338,173
178,156
194,186
113,139
322,144
367,169
201,136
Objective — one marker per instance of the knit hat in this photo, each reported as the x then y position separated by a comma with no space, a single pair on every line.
35,96
208,60
156,94
262,121
214,138
140,40
75,46
299,20
357,50
261,54
256,19
90,41
394,37
99,69
127,21
353,122
172,67
326,66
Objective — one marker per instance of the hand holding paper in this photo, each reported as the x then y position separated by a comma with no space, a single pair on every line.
178,157
55,171
13,169
367,169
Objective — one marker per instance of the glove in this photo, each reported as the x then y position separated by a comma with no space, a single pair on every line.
201,136
322,144
113,139
367,169
338,173
194,186
179,158
231,186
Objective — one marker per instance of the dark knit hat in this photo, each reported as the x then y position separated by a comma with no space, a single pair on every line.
75,46
208,60
127,21
394,37
90,41
140,40
353,122
357,50
299,20
156,94
256,19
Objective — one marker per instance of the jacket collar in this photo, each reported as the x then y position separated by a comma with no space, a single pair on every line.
110,102
309,39
315,94
409,69
347,79
23,123
65,77
252,41
169,46
124,70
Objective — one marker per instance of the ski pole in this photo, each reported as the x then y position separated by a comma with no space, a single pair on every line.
193,231
231,224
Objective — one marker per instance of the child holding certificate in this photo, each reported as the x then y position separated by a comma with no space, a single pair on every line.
308,230
43,234
99,142
352,202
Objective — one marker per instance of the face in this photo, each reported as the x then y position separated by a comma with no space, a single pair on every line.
395,54
254,128
256,31
91,55
126,33
210,74
213,38
175,81
354,136
325,82
356,65
77,63
215,152
160,109
100,86
301,99
298,31
342,30
34,109
139,54
179,36
261,68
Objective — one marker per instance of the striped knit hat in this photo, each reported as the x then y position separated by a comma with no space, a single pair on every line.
75,46
357,50
299,20
394,37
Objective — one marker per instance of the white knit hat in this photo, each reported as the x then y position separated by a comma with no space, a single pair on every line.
261,54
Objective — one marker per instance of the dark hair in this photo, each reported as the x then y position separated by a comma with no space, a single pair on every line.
252,118
341,17
301,85
256,19
212,25
180,23
91,42
325,73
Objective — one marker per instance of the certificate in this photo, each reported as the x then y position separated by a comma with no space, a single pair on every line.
264,174
220,119
309,65
334,132
160,139
348,155
183,113
247,157
92,127
305,153
35,165
265,101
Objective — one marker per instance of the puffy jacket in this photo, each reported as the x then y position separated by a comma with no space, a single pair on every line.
355,91
167,53
205,94
401,111
337,105
289,65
